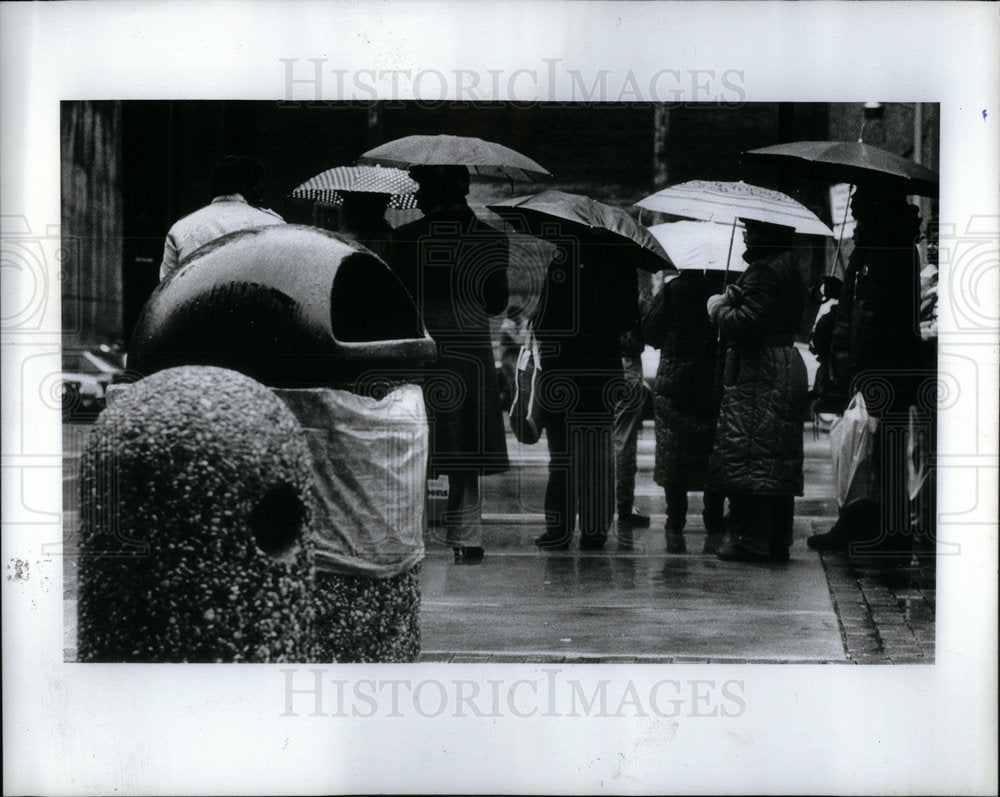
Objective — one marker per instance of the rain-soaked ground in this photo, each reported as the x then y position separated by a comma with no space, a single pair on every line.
644,604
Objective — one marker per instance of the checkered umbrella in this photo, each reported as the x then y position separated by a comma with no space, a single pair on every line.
327,186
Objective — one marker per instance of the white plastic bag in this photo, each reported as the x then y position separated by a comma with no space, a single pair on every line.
852,443
369,477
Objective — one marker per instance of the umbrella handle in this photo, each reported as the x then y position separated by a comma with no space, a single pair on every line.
843,225
732,235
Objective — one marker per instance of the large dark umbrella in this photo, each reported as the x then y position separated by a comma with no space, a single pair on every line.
481,157
850,162
551,215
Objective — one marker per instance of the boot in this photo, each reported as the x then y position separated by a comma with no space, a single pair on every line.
633,519
675,540
737,551
468,555
553,541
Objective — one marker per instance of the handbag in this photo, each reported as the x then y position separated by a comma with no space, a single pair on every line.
525,411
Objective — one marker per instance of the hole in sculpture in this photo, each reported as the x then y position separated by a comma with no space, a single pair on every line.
369,303
276,520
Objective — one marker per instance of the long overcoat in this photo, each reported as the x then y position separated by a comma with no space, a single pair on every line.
455,268
685,399
758,444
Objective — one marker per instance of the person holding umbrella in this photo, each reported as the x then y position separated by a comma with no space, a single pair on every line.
757,455
455,268
363,220
876,348
588,300
686,400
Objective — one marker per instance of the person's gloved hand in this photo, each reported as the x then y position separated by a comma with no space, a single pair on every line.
714,303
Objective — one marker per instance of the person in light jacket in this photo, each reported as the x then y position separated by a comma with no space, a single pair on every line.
235,185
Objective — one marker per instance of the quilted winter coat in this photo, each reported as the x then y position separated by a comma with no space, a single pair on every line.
758,444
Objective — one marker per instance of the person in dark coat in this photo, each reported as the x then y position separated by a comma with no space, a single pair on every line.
455,268
685,402
589,298
363,220
757,454
876,348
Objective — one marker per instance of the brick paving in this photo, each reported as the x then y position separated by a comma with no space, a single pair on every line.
886,617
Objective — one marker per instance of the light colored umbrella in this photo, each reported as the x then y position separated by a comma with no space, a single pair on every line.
724,202
551,215
701,245
850,162
481,157
328,186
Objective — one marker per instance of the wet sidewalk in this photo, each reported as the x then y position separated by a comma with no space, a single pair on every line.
643,604
647,605
625,606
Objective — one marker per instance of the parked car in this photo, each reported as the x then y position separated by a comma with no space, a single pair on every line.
86,375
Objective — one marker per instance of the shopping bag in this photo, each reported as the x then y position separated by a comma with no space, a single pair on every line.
852,444
525,410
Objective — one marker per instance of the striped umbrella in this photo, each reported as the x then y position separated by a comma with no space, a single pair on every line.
327,186
710,200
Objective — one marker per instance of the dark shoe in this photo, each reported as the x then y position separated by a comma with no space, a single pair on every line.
675,542
552,542
713,542
832,540
468,555
634,520
734,552
779,554
592,543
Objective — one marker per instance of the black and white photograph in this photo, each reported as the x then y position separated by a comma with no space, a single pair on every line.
545,413
416,421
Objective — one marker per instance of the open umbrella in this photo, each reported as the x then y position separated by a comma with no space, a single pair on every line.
551,215
481,157
700,245
327,186
710,200
850,162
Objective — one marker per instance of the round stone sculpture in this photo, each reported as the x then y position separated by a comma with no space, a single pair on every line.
195,508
